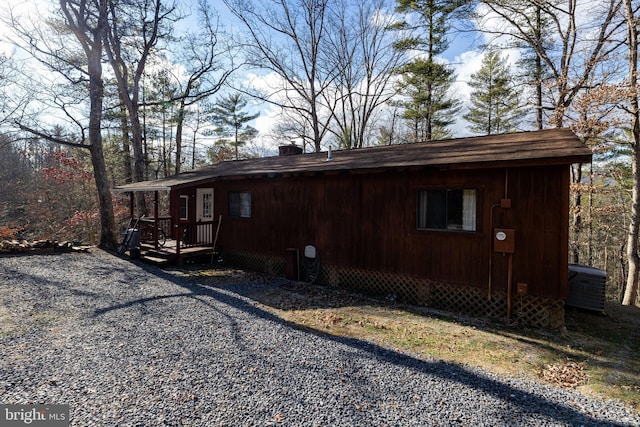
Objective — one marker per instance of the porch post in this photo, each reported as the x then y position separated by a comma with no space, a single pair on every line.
131,204
155,219
180,231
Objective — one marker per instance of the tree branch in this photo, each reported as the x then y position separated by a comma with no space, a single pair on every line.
50,137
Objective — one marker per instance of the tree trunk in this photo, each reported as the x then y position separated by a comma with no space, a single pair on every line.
138,156
96,95
179,126
577,214
107,221
631,289
315,122
539,71
590,220
126,142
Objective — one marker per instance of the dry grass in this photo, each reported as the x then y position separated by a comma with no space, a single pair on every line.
596,353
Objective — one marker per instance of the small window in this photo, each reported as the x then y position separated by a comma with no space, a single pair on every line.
207,205
184,208
240,204
447,209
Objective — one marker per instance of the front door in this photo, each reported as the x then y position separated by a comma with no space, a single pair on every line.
204,213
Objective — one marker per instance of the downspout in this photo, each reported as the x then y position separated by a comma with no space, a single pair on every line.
505,203
510,268
506,183
491,247
509,286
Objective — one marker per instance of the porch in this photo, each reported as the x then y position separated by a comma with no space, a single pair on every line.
164,242
169,236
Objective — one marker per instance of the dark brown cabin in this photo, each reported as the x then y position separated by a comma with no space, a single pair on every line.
473,224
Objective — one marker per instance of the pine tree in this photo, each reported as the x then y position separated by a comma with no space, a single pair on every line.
429,109
231,121
426,81
495,106
532,71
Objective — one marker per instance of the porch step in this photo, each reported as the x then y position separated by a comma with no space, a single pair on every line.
160,256
159,261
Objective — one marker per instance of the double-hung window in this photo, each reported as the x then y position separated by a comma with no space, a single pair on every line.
453,209
240,204
184,208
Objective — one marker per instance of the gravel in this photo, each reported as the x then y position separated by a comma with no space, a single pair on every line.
128,344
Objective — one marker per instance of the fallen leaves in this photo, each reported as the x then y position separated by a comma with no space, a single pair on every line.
331,319
570,374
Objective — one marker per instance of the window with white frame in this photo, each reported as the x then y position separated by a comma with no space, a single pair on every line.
207,205
240,204
453,209
184,208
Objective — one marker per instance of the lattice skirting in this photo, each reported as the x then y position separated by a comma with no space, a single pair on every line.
255,262
526,310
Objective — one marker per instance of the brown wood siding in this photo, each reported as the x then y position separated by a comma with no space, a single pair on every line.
539,214
368,221
174,206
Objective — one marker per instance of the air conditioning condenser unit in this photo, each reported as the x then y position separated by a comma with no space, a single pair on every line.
587,286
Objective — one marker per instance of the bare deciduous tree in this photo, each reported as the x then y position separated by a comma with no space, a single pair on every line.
208,63
289,38
134,28
75,54
362,48
577,49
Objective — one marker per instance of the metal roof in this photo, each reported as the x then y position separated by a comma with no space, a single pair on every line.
545,147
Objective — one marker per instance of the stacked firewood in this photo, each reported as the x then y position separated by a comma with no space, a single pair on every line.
41,246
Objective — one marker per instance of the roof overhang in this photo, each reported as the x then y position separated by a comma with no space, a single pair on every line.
535,148
140,187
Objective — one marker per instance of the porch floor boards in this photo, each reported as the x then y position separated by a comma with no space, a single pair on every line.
168,253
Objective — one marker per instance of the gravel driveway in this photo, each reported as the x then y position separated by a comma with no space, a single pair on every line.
128,344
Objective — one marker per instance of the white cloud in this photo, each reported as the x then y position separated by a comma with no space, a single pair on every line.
268,83
464,65
268,117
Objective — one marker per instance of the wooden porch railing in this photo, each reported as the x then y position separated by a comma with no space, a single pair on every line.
152,228
194,234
